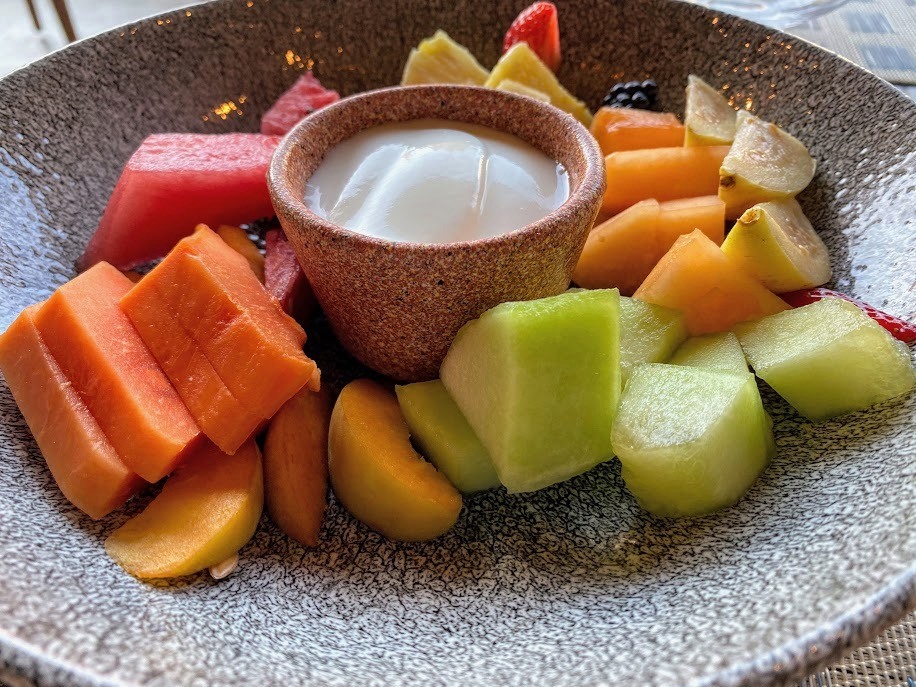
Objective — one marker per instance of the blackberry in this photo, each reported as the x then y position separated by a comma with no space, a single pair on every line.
640,95
259,228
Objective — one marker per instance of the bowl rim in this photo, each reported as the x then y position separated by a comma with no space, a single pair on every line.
22,661
591,183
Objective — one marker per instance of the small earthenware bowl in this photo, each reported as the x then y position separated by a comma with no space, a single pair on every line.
396,306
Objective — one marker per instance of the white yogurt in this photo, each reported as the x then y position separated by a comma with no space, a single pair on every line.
435,181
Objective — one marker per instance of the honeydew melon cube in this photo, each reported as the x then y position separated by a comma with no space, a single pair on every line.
721,352
444,436
649,333
691,441
827,358
539,383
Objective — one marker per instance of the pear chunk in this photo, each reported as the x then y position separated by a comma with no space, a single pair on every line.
709,119
775,243
764,163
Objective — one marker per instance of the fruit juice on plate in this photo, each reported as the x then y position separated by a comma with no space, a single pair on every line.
435,181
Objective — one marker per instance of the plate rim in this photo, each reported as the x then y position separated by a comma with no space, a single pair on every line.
23,664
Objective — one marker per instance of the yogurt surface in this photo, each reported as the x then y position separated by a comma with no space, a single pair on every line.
435,181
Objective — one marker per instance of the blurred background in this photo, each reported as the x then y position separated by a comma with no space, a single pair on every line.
877,34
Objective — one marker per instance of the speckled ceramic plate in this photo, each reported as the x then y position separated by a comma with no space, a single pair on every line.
571,585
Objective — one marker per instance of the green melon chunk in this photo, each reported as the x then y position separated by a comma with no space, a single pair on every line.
828,358
691,441
649,333
539,383
721,352
444,436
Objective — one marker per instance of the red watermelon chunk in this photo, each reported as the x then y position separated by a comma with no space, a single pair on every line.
284,279
172,183
304,97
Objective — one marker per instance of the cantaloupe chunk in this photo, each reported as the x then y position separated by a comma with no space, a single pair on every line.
237,239
698,279
623,250
83,462
114,373
661,173
679,217
225,421
619,128
206,512
255,348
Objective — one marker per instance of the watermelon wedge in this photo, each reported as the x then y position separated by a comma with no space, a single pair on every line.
284,279
172,183
301,99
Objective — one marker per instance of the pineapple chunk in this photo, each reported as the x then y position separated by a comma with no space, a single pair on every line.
441,60
513,86
521,64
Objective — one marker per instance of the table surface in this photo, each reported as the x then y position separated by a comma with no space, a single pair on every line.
878,34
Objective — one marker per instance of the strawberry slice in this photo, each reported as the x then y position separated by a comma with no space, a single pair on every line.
900,329
301,99
539,27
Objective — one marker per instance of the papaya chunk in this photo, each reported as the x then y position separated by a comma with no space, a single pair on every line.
225,421
103,356
254,347
82,461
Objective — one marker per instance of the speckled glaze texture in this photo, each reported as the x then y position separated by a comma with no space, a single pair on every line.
573,585
397,306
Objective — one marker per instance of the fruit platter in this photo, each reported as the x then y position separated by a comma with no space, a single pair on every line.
486,352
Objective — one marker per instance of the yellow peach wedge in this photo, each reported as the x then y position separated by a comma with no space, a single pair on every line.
237,239
296,465
206,512
376,473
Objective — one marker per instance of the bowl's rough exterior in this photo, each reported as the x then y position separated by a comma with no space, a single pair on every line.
397,306
573,585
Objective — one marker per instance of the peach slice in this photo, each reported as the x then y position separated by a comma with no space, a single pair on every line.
376,473
237,239
296,465
206,511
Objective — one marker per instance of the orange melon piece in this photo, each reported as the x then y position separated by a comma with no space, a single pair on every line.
205,513
661,173
254,347
237,239
82,461
623,250
698,279
225,421
618,128
678,217
114,373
